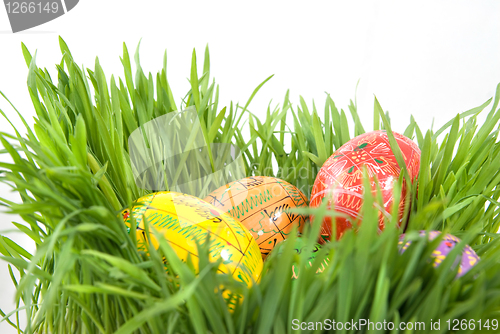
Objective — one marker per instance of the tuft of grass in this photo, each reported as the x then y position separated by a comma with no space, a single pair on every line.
74,175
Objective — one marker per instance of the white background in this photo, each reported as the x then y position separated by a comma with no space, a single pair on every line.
429,59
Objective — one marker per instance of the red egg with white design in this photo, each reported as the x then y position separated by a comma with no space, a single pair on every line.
340,178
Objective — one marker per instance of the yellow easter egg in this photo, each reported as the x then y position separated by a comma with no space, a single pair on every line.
184,219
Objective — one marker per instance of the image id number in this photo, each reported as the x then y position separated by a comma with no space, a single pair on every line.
456,324
15,7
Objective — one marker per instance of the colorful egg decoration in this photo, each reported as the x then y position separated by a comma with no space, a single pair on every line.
468,259
341,177
260,204
184,219
300,247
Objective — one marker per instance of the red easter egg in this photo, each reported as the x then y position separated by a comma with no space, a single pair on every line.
341,177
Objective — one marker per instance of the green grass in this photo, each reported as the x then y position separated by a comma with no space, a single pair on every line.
73,173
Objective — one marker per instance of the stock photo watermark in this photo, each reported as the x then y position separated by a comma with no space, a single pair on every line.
368,325
24,15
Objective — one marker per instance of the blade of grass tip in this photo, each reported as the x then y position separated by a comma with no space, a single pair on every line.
376,115
410,128
488,125
345,127
150,98
26,54
5,318
271,143
167,85
358,126
214,128
31,136
33,89
213,104
448,153
128,115
306,125
271,139
33,235
251,98
448,212
286,105
104,183
328,130
204,104
141,82
318,138
15,247
474,111
420,137
493,111
335,122
396,150
305,110
206,71
63,46
127,69
22,264
424,172
195,84
116,110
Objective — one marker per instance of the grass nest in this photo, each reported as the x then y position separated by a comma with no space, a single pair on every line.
73,173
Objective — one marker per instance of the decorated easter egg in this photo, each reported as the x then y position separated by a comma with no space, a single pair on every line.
185,219
467,260
260,203
300,247
340,179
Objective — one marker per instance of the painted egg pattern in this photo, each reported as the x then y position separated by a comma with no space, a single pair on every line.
468,259
185,219
341,177
260,204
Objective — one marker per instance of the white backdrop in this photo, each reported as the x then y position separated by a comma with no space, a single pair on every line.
427,59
